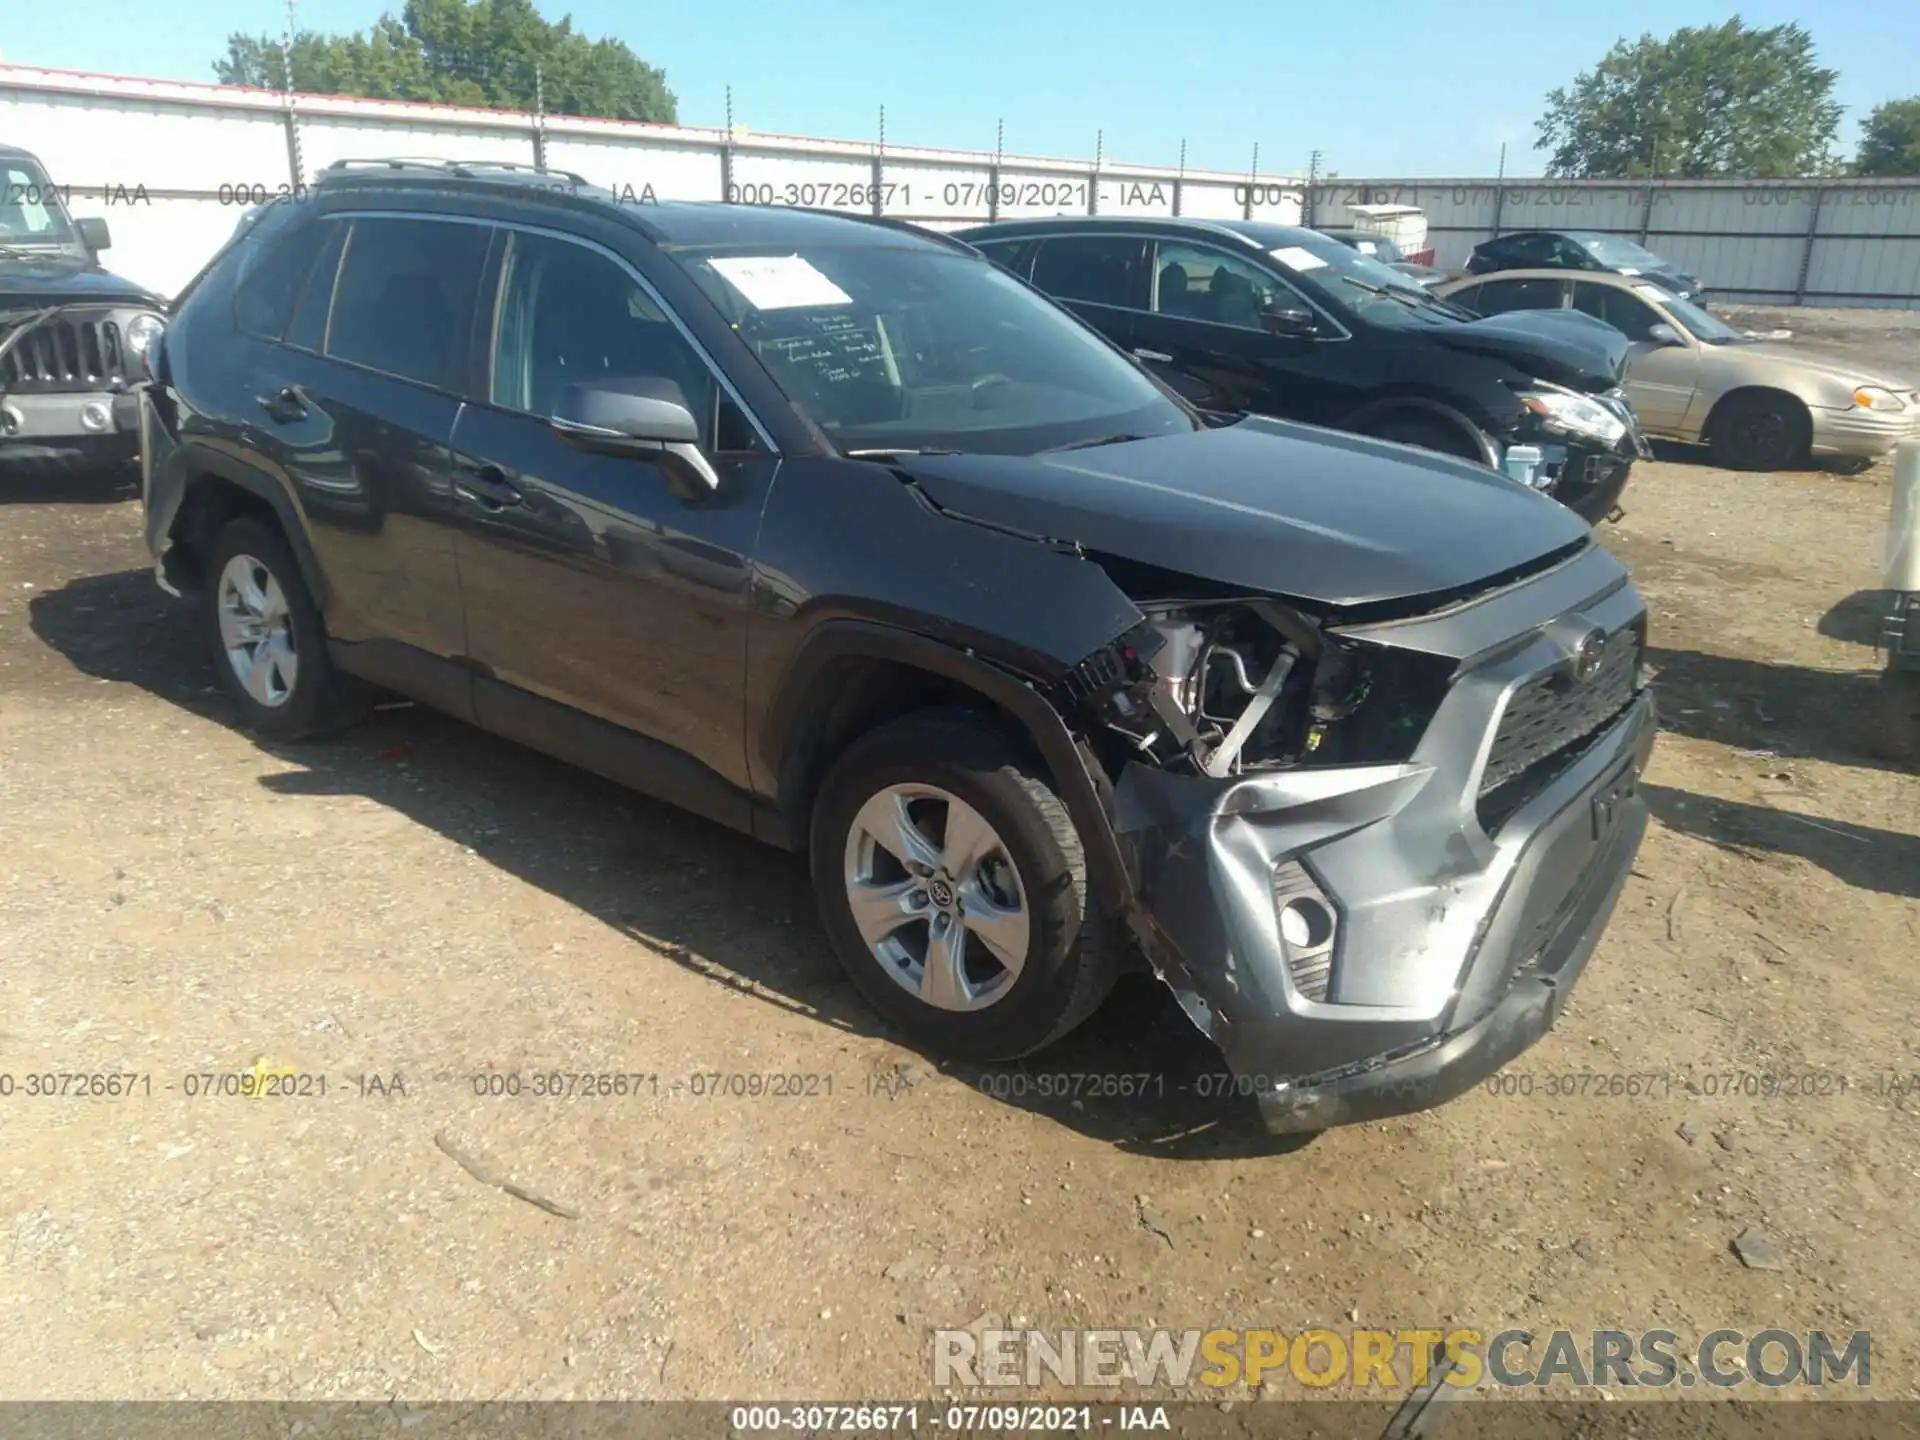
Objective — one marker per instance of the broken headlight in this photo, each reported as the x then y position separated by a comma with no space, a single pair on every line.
1567,412
1229,686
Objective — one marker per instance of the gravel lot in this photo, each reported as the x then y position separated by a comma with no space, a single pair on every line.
415,903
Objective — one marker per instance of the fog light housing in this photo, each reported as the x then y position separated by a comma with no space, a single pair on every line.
95,416
1309,925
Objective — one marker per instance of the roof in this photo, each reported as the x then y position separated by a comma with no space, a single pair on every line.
1258,232
669,223
14,152
1612,278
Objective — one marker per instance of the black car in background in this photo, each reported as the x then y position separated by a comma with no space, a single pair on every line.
1239,316
74,338
1384,249
1581,250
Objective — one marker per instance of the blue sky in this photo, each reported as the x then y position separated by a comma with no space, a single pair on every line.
1386,89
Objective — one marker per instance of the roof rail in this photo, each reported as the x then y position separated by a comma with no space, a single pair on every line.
464,169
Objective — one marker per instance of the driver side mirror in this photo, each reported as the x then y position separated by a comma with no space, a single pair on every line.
1664,334
1298,324
93,232
646,417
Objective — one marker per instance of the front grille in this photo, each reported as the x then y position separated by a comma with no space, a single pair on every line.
1549,721
63,354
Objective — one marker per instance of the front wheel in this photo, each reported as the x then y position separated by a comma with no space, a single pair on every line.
269,645
953,887
1426,434
1760,432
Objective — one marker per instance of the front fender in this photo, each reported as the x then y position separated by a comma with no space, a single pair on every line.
792,724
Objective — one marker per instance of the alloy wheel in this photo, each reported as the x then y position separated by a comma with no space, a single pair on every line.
935,894
256,631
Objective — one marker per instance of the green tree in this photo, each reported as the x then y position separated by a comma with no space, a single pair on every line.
462,52
1714,100
1890,139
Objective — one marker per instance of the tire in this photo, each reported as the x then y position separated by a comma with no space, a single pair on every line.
1894,725
1031,869
1426,434
1760,432
289,688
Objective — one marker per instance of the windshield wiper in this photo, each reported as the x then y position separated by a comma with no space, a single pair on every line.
882,451
1421,299
1096,440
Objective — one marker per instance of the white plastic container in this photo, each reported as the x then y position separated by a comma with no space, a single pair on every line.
1903,531
1522,463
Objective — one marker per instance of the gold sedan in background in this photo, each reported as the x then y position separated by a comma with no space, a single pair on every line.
1757,404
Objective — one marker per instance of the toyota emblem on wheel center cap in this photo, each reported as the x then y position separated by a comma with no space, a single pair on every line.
941,891
1588,655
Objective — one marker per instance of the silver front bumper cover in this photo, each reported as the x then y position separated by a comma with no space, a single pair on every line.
1440,925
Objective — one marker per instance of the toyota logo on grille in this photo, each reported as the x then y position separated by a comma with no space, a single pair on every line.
1588,655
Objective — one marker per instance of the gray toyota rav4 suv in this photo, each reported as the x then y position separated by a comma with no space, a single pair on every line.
829,529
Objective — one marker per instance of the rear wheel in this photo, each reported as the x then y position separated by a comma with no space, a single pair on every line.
269,645
1760,432
953,887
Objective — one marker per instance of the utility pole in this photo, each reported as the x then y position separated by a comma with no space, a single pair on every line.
1312,217
296,167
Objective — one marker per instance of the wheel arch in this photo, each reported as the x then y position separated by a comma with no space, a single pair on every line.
851,676
1425,407
1717,415
220,488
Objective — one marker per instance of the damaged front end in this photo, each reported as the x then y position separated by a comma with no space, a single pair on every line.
1370,850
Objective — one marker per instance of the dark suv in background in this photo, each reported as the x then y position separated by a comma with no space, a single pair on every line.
74,338
828,529
1581,250
1246,316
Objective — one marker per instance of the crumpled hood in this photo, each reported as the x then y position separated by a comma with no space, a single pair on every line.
1294,510
1565,347
63,279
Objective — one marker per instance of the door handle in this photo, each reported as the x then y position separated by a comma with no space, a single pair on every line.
284,404
488,486
1159,356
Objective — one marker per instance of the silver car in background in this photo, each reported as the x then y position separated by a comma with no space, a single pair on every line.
1757,404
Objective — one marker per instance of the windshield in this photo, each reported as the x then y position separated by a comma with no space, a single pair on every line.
1704,326
1612,250
30,208
1379,247
904,347
1358,285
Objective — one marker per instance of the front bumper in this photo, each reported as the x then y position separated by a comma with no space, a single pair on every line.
99,425
1455,944
1858,434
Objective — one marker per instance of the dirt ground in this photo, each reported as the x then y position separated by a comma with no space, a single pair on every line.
414,904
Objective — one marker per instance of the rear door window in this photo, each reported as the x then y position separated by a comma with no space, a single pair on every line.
1013,256
1497,297
264,303
405,299
1100,269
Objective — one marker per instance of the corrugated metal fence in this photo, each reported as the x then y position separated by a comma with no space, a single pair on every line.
170,165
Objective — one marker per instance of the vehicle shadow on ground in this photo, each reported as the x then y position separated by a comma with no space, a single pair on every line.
1677,452
1860,619
1789,710
35,486
1863,856
1138,1075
